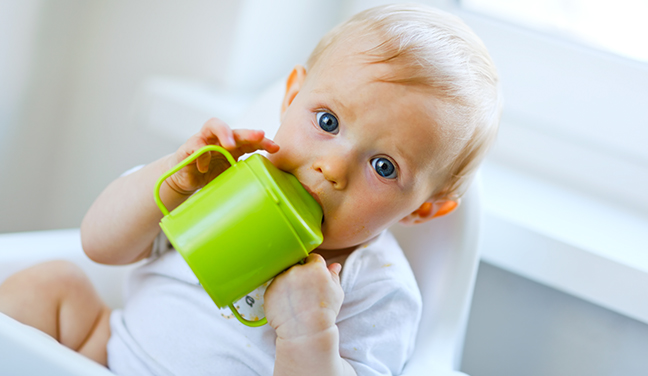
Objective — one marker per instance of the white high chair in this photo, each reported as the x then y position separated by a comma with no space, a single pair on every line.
443,253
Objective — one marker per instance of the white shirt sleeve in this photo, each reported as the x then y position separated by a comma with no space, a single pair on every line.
131,170
382,309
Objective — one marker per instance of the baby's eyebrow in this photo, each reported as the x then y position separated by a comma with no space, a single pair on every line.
338,104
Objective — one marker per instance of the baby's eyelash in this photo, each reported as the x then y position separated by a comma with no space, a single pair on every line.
322,108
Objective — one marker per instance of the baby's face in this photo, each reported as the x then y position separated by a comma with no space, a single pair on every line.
366,150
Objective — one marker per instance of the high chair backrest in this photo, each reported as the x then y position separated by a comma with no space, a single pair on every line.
443,254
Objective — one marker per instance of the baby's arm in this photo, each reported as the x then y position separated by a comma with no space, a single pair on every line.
302,305
120,226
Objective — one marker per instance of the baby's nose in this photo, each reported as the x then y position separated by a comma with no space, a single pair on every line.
334,169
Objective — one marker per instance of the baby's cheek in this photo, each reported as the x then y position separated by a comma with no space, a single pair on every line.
345,231
282,160
370,219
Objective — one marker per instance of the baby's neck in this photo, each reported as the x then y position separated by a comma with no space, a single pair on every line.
333,255
340,255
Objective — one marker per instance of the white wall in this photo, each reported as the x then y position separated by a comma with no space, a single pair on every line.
120,44
18,24
79,127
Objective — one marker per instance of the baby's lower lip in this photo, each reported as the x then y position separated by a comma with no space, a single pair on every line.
316,197
310,192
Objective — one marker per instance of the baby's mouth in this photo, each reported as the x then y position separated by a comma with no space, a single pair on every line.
316,197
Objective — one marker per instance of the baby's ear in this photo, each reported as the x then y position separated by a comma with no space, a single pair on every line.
430,209
293,85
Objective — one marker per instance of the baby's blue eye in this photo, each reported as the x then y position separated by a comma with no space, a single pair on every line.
327,121
384,167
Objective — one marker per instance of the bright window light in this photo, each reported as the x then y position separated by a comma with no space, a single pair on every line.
619,26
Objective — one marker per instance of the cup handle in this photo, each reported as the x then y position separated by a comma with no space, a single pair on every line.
182,164
256,323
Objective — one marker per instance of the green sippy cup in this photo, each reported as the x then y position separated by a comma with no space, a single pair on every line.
243,228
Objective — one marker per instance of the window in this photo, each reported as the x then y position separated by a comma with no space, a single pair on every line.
567,180
573,114
619,27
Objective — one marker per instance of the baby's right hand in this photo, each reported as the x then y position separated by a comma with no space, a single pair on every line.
211,164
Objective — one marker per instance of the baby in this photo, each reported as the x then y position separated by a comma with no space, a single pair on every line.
386,123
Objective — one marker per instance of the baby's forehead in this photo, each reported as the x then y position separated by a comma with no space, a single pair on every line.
370,49
354,48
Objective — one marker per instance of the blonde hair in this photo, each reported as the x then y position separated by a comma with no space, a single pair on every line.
435,49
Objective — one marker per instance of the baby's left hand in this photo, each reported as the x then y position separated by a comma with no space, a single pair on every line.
305,299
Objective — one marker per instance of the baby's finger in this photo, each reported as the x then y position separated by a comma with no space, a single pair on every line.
202,163
217,130
249,140
335,269
248,137
315,258
269,145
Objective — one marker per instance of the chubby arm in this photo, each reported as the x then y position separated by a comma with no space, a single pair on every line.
120,226
302,305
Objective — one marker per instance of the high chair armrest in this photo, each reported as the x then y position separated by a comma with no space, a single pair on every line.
27,351
20,250
427,367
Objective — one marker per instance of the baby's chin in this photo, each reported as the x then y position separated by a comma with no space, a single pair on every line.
334,240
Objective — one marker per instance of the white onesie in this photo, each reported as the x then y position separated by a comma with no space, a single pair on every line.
170,326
